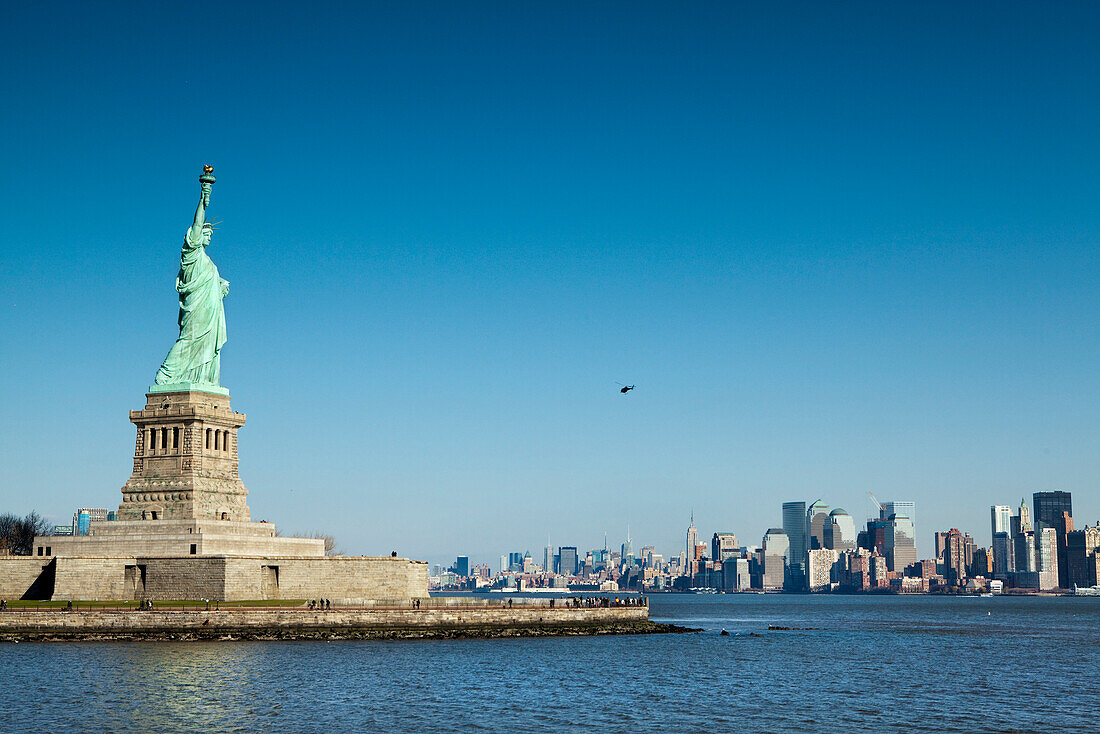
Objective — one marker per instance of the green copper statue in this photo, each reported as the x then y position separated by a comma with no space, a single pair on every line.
194,360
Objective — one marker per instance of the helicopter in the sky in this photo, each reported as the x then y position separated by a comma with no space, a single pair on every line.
624,389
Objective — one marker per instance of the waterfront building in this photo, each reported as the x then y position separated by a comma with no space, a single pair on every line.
1004,557
900,542
774,554
1082,554
880,577
1055,510
840,533
817,518
742,578
794,527
954,557
723,546
1046,557
1000,526
820,568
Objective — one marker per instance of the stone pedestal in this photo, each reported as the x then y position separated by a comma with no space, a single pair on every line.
185,496
185,460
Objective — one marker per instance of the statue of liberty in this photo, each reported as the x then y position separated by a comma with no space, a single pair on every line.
195,357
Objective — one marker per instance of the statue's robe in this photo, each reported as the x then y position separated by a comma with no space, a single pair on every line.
195,355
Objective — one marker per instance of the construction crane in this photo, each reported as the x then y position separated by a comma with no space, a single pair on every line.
874,499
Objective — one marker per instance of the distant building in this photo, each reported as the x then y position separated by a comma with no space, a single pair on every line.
840,531
874,538
817,520
1000,526
1004,557
776,546
1000,519
794,527
820,572
901,545
723,546
1023,546
1049,507
954,557
462,566
627,551
568,560
85,516
982,565
899,507
1046,558
692,542
1082,553
1055,510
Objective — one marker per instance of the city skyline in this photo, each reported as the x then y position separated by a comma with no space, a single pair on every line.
836,250
818,550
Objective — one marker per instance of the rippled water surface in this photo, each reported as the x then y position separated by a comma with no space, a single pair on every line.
868,664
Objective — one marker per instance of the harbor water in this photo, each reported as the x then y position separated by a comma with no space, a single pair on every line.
789,663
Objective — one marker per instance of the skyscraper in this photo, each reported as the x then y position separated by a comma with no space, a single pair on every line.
567,556
1000,545
899,507
692,541
1046,557
548,557
954,557
1049,507
840,531
817,518
776,546
1055,510
1004,556
794,526
1000,519
462,566
723,546
901,547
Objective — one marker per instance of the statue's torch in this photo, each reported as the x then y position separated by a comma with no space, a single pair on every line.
207,182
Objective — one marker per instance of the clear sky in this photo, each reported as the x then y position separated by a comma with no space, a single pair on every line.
838,247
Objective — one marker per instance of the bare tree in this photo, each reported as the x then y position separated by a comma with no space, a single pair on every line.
17,533
331,549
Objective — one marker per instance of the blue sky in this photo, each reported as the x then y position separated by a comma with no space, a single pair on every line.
838,247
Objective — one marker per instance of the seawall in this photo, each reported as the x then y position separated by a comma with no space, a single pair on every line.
299,623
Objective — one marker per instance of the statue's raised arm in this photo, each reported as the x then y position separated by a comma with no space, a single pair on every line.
194,362
206,181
